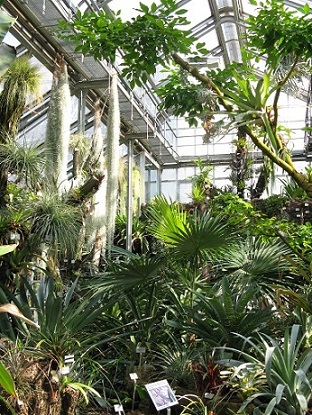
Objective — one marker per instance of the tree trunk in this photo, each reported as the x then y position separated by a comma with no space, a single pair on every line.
39,394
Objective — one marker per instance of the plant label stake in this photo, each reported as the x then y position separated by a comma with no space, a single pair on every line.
134,377
119,409
140,351
68,360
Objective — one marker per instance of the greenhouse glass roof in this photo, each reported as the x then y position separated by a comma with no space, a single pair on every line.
168,141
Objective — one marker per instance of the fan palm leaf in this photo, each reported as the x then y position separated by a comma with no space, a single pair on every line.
130,272
254,261
190,237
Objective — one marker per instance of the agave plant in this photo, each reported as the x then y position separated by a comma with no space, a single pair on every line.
287,368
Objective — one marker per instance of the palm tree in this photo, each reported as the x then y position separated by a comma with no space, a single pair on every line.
258,263
192,240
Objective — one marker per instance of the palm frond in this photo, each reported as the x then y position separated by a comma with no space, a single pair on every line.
134,271
191,237
257,261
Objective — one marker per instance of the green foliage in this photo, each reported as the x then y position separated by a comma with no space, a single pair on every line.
56,223
4,249
173,361
201,181
271,206
191,238
7,383
140,243
287,368
21,81
64,320
182,97
235,210
26,161
136,269
217,316
146,40
258,263
276,32
6,380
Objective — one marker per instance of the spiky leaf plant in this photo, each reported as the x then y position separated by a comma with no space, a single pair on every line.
26,161
216,316
287,368
56,223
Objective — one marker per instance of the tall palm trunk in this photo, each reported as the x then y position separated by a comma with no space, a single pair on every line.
58,127
112,160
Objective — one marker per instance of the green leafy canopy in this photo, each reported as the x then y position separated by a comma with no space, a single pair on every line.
145,41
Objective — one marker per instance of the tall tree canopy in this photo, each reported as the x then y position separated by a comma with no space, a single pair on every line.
246,98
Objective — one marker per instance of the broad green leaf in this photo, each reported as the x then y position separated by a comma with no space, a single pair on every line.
5,22
7,55
4,249
6,380
305,9
12,309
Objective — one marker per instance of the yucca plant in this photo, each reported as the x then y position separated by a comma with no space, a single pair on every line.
287,368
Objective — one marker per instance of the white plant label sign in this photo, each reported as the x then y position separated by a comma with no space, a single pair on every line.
161,394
